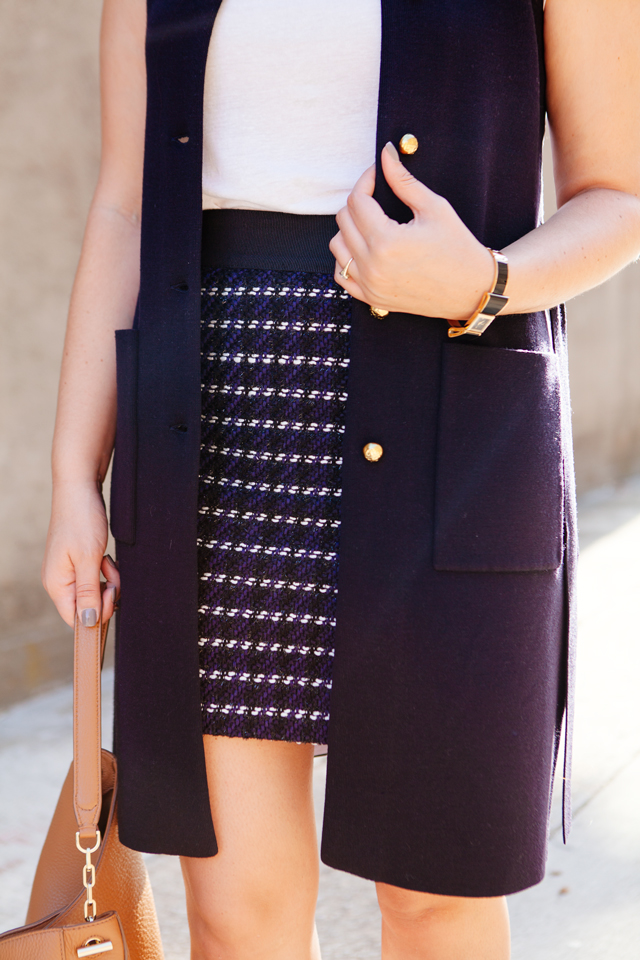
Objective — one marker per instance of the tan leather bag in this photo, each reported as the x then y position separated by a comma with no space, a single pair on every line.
83,865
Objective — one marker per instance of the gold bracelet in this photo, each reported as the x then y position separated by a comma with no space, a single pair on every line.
491,304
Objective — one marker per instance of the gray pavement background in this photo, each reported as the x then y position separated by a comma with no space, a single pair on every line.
589,903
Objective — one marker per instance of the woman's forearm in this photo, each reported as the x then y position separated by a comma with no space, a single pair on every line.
589,239
435,267
103,300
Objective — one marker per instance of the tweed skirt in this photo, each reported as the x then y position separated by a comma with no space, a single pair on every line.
275,356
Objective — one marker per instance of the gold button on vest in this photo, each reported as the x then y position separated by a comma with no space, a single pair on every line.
372,451
408,144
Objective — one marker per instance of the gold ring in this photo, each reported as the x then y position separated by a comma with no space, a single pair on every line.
345,272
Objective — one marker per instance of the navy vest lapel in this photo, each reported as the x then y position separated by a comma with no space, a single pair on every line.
164,802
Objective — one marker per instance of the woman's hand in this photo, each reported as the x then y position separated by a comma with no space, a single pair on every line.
432,266
435,267
74,556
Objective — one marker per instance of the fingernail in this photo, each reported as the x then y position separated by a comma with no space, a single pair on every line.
89,617
113,593
111,560
391,150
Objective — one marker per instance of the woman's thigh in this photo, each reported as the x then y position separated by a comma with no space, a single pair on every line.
264,879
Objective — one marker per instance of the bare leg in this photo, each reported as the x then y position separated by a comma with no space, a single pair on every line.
422,926
256,899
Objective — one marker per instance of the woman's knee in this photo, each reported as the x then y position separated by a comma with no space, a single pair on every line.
398,905
236,920
232,926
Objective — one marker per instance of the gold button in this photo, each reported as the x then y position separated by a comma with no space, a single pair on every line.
379,312
408,144
372,452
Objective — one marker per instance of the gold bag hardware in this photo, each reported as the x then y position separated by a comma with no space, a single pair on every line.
94,946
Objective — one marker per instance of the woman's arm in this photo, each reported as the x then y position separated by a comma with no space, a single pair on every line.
593,91
593,101
103,300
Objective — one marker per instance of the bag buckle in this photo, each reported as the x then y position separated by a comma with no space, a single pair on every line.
93,946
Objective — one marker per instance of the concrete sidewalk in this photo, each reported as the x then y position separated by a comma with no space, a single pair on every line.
589,903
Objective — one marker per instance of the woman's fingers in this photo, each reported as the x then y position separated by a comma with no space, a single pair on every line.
110,570
88,592
381,249
339,249
345,259
351,284
62,591
343,255
92,606
110,589
81,591
366,213
74,554
109,601
354,240
366,183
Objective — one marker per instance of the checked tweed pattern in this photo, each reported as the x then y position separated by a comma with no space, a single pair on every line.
275,357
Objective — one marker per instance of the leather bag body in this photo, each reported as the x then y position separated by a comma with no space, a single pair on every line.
56,929
63,942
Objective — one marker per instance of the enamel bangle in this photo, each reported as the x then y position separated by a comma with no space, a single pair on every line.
491,304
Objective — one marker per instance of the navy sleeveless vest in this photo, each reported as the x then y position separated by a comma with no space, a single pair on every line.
455,617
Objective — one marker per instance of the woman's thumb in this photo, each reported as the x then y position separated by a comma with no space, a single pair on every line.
404,184
88,594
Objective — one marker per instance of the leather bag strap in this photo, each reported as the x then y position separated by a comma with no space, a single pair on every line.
88,644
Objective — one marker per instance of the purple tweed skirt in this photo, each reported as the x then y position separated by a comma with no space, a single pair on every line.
275,357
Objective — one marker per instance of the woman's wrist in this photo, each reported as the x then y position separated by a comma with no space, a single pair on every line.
480,280
493,301
76,483
69,468
71,493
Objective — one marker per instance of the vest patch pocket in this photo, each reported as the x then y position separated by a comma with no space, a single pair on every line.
499,486
123,476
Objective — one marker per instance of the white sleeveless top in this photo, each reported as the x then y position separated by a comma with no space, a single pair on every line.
290,103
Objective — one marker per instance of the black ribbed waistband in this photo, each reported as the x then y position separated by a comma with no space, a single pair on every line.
267,241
